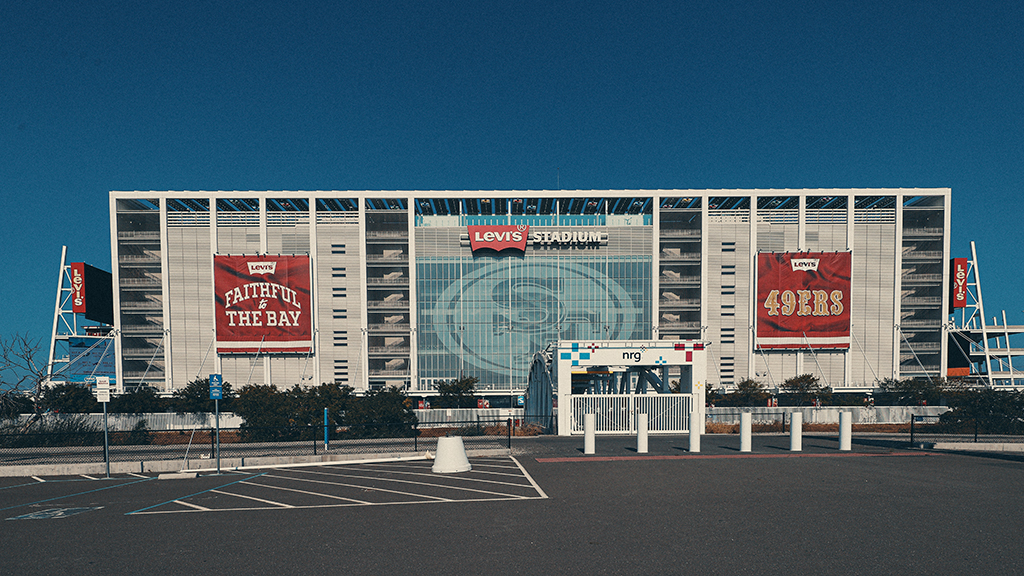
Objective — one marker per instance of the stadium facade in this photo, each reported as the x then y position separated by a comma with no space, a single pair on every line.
407,288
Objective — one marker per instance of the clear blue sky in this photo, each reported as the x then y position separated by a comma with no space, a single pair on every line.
98,96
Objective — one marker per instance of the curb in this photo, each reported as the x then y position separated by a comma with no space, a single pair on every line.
210,464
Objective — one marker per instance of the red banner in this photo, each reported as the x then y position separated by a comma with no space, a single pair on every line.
78,287
803,300
498,238
263,304
958,281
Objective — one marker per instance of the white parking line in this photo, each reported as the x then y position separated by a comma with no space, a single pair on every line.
360,486
86,477
468,479
336,471
475,469
318,506
137,475
38,479
306,492
431,484
530,478
253,498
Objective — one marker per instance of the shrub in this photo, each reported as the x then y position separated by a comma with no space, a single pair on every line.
52,430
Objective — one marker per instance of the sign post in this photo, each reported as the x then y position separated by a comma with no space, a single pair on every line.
216,393
103,395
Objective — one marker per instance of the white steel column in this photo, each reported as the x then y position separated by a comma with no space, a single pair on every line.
214,249
165,286
944,335
115,286
752,291
314,272
848,357
898,286
413,325
704,251
263,250
981,314
655,269
57,313
801,222
364,341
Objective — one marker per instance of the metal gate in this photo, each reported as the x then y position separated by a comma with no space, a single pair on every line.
616,413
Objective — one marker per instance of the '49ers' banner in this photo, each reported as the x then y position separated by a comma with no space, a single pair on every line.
803,300
262,304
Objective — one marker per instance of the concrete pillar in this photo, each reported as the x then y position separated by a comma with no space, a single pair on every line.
589,431
796,423
745,431
845,430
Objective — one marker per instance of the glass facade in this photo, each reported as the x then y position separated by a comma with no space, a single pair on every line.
486,316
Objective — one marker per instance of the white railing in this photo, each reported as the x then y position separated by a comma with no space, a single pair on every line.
616,413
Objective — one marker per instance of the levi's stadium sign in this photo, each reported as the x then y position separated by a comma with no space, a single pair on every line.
803,300
263,304
498,238
517,237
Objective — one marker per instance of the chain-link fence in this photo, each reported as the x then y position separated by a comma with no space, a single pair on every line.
930,430
75,442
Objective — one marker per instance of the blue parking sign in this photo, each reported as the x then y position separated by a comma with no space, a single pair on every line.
216,386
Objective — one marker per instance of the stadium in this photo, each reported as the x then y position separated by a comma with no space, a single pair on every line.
387,288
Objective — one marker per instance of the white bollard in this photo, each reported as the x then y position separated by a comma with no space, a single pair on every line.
746,425
845,430
694,435
641,433
796,423
589,431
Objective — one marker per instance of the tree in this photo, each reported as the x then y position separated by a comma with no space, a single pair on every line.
138,400
195,397
382,412
68,398
805,389
16,404
986,410
307,404
458,393
749,392
263,406
21,377
911,391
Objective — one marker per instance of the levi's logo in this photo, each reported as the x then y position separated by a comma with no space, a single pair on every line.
262,267
498,237
804,264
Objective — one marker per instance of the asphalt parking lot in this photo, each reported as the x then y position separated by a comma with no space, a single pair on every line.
880,509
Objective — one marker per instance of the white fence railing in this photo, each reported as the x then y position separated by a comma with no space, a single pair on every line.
616,413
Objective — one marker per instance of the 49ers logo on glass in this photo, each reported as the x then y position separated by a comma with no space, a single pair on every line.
803,300
262,304
498,238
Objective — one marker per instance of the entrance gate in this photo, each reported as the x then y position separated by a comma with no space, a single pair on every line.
630,367
616,413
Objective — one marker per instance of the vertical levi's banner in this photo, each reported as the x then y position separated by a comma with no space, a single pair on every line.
803,300
78,287
958,279
263,304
